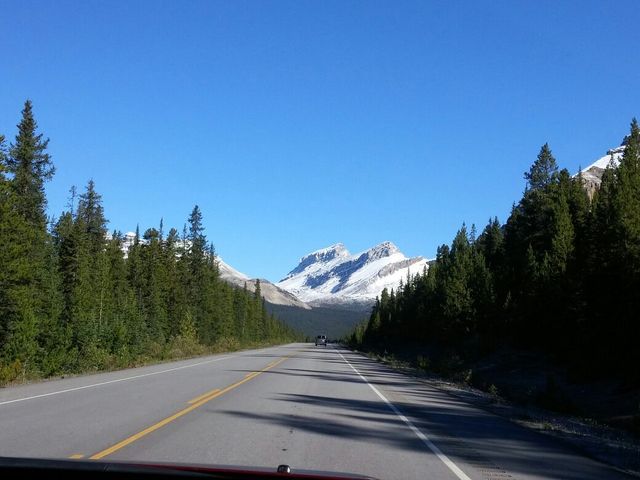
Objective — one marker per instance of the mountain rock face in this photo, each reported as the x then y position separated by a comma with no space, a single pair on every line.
269,291
333,276
592,175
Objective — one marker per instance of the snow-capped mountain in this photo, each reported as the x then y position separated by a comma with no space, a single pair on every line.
592,175
334,276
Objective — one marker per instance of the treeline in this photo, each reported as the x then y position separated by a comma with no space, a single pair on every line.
562,276
72,298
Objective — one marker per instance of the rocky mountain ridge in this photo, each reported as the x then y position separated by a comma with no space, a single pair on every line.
332,276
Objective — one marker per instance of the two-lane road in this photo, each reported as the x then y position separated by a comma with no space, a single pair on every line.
313,408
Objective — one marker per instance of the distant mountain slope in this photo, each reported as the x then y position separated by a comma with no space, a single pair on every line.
270,292
333,322
332,276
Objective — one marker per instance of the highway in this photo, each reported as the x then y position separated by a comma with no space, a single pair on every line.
309,407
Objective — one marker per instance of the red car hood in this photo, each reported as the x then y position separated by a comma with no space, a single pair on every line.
42,468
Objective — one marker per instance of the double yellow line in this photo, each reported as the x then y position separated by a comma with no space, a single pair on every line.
193,404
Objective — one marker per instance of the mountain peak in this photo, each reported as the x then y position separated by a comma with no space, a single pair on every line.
384,249
335,249
592,175
319,258
332,276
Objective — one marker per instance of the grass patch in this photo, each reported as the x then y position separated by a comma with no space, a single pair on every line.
98,360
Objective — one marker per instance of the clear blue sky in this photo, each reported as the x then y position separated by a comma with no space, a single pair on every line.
295,125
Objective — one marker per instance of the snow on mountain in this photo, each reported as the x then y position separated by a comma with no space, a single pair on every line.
592,175
128,239
333,276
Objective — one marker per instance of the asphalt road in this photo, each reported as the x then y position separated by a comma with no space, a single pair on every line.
309,407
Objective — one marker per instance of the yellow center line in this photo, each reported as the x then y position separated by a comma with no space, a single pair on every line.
197,403
200,397
76,455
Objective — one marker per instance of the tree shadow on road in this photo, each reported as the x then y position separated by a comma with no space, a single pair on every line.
468,434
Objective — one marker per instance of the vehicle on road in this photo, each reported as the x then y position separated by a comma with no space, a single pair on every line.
321,340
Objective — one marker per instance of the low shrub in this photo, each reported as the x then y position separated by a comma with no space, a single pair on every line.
10,371
493,390
423,362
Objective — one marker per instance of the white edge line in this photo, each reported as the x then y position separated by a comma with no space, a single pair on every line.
6,402
446,460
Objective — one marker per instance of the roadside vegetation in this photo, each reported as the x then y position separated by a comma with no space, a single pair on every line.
72,300
558,283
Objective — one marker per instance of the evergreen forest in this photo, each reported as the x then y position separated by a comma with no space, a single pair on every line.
73,298
560,277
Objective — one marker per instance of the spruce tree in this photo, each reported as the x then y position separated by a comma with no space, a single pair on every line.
544,170
154,288
627,199
31,167
195,257
14,264
91,214
197,239
257,312
28,278
176,287
562,240
625,327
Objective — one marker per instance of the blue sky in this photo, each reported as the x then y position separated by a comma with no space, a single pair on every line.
295,125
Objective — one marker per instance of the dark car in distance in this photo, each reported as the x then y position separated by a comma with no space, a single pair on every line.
321,340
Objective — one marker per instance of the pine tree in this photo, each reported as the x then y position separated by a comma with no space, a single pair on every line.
491,243
625,327
198,241
83,265
8,218
195,261
627,198
27,279
176,287
603,268
257,312
120,309
240,307
136,320
31,167
14,265
562,240
458,302
481,286
91,214
544,170
154,288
